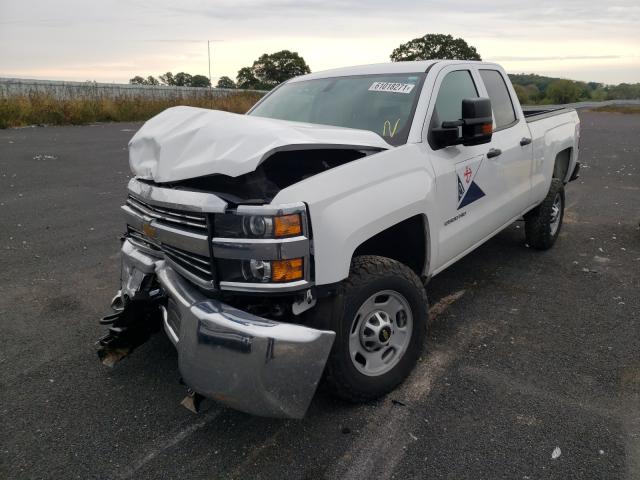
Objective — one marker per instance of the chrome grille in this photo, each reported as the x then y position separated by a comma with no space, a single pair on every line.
196,264
140,238
173,232
194,220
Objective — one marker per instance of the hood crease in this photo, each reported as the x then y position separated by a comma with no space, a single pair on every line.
187,142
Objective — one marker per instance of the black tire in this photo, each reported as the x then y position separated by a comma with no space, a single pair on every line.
368,276
540,229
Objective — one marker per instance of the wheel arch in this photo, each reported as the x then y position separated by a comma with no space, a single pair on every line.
562,163
406,241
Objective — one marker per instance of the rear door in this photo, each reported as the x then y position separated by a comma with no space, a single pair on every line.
511,141
469,187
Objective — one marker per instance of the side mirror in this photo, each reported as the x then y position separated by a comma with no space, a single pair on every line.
478,121
474,128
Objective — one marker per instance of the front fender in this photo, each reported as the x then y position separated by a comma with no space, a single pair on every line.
352,203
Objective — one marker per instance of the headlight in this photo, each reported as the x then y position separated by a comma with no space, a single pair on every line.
258,226
257,270
258,246
265,271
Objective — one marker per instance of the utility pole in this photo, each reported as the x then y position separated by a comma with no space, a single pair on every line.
209,57
210,85
209,42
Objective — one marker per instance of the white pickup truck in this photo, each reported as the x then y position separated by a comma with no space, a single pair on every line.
293,243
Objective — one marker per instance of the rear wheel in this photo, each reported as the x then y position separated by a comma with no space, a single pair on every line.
542,224
380,331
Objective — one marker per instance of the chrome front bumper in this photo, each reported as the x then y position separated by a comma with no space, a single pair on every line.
247,362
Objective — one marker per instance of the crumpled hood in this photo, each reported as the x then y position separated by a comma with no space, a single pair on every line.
187,142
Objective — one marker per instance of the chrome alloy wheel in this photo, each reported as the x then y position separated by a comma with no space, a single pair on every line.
380,333
556,210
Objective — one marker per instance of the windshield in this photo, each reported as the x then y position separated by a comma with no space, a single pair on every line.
383,104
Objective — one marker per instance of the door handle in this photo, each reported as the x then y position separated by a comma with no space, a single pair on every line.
494,152
525,141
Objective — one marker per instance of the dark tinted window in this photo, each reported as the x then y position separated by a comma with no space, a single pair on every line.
500,100
455,87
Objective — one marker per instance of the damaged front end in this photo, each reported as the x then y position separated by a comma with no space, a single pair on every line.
226,283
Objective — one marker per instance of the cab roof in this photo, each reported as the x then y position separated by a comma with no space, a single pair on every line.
380,68
376,68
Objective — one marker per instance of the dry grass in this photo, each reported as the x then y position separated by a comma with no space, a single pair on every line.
45,109
617,109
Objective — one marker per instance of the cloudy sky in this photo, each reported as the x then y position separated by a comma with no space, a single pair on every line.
113,40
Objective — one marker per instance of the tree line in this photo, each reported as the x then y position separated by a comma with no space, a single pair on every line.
535,89
180,79
269,70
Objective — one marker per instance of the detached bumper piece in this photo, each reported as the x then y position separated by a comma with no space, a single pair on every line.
136,307
129,328
246,362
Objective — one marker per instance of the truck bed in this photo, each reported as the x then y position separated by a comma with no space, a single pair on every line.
532,114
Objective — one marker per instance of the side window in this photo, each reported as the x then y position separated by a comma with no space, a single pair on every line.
503,110
455,87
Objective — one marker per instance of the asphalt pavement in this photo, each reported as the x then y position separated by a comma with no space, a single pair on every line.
531,369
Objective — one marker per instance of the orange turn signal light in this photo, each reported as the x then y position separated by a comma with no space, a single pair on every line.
487,128
287,270
287,225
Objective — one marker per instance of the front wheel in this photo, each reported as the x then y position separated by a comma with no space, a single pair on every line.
542,224
381,329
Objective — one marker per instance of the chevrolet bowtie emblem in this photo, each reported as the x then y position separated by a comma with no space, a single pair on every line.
148,230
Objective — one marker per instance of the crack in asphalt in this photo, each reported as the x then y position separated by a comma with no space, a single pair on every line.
174,440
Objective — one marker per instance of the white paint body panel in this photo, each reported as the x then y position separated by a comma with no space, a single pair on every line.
188,142
352,203
550,136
